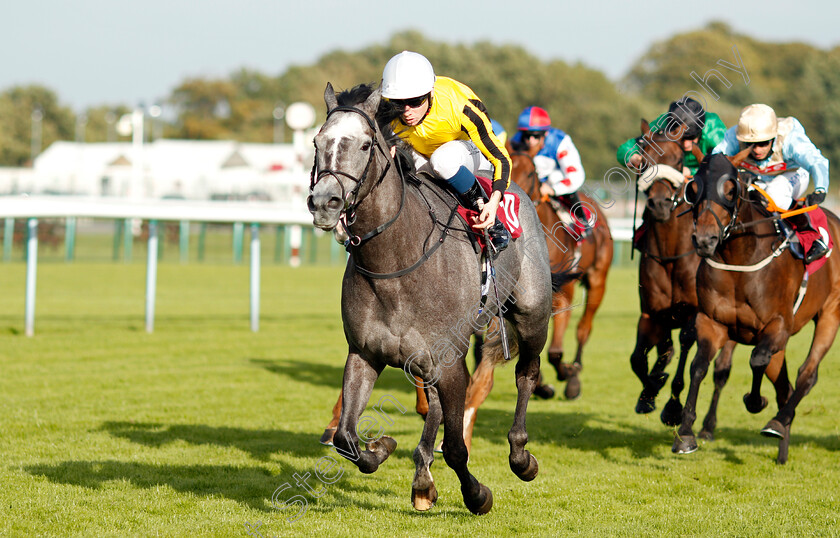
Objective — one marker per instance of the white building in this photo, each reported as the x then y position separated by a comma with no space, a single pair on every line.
190,169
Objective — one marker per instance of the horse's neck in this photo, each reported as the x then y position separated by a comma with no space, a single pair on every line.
383,203
673,236
752,244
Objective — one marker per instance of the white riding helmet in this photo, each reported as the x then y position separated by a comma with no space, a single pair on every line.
757,124
407,75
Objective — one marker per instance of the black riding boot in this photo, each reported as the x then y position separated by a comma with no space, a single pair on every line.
576,208
499,236
819,248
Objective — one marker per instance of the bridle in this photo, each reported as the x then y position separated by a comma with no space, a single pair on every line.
349,211
732,207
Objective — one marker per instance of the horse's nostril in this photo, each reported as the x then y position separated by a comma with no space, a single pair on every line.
310,204
334,203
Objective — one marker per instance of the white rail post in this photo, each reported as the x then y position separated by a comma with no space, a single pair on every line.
255,277
151,276
31,273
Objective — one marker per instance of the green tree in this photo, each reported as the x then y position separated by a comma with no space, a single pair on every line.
51,122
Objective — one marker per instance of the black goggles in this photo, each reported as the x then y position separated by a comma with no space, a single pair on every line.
532,134
414,102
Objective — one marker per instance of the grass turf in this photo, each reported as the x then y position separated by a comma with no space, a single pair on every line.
107,430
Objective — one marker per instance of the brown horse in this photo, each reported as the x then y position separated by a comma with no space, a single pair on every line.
590,259
667,282
749,290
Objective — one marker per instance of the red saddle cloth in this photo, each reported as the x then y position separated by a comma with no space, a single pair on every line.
807,237
508,212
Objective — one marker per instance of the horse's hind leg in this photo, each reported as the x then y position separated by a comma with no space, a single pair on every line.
452,388
423,491
522,462
723,366
806,378
359,377
329,432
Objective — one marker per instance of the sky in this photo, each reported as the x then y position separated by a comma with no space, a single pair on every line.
110,52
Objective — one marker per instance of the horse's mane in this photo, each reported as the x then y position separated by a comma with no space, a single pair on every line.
386,113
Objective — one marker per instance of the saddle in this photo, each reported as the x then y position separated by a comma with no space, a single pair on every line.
799,231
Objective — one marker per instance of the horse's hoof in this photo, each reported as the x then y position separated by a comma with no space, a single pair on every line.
382,447
752,406
544,392
572,391
684,444
484,503
439,447
706,435
425,499
672,413
530,472
774,429
643,406
327,437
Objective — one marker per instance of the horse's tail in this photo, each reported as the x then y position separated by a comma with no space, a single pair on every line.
492,350
563,277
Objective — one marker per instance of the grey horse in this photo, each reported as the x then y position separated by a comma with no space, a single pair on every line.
411,295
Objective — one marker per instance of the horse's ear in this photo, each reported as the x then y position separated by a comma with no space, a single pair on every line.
697,152
740,156
372,102
645,127
329,97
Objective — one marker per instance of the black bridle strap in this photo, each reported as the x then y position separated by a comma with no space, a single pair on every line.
426,255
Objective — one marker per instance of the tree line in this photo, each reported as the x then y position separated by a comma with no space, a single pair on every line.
794,78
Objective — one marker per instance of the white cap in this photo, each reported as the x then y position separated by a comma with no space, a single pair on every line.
407,75
757,124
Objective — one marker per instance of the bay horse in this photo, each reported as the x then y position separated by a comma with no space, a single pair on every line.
409,296
667,281
748,288
590,261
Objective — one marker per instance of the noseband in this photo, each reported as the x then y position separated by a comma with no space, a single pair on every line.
349,210
717,197
675,199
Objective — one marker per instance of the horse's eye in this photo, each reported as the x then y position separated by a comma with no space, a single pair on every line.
365,146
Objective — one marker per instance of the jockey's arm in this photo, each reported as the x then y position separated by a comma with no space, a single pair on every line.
477,125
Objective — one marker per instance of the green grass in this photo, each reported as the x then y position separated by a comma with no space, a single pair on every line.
108,430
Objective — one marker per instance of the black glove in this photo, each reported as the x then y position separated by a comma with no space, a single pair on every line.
815,198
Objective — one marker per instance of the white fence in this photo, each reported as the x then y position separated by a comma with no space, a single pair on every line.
253,213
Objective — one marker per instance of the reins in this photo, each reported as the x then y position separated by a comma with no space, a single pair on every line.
355,242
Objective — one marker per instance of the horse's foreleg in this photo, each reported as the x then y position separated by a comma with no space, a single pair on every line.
648,334
711,336
329,432
359,377
771,340
452,388
672,412
561,302
824,334
423,491
723,366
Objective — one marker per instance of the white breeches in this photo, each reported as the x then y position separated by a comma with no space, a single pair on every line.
447,159
785,187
